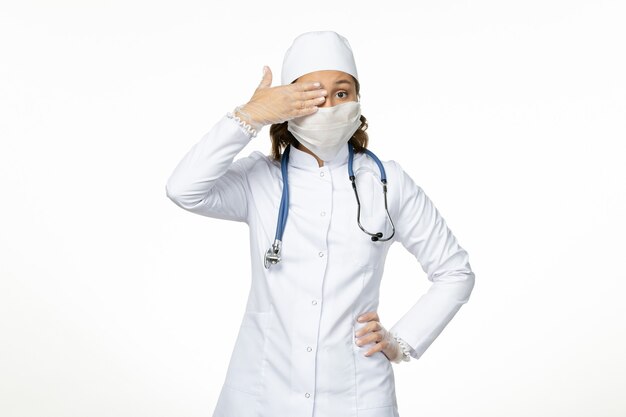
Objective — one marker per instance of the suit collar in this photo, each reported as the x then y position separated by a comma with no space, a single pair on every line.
304,160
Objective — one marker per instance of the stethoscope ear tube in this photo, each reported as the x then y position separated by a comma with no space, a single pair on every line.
376,237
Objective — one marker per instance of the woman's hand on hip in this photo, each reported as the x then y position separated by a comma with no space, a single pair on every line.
277,104
374,332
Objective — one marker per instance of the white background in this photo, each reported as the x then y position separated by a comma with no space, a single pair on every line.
510,115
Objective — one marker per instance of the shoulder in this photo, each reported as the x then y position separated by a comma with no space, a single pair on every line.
401,186
392,168
397,176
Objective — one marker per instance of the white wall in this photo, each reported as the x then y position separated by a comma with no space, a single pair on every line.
510,115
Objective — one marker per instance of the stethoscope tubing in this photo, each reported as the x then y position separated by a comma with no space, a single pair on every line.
272,255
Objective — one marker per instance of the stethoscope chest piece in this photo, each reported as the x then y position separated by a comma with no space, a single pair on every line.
272,256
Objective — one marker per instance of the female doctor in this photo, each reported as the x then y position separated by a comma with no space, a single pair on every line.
322,212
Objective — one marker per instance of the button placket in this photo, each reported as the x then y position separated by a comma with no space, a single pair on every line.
315,201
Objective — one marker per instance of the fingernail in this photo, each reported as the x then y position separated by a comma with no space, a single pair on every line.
360,318
264,69
316,84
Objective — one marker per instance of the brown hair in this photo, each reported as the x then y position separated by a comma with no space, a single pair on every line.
281,137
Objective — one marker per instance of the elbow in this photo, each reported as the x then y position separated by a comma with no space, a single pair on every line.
460,282
467,286
176,195
183,197
170,192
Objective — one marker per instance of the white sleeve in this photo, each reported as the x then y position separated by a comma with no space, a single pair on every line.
407,351
207,181
423,232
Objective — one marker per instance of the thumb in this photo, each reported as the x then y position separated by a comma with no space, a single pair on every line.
267,77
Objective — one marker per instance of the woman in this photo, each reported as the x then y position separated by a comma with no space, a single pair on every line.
311,342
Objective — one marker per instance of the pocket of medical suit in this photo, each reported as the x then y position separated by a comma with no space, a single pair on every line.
245,370
335,378
368,254
373,218
375,385
372,197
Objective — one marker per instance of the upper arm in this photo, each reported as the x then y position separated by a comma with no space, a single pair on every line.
423,231
207,180
227,196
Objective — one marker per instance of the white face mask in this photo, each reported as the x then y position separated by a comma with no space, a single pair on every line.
328,129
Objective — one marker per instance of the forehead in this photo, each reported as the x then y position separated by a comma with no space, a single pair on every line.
328,77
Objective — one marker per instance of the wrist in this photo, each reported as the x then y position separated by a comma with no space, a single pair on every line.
244,114
404,348
245,126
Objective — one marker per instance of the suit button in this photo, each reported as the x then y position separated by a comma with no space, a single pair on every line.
308,348
321,174
321,254
323,213
314,302
307,395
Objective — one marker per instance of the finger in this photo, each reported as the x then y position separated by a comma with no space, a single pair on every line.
365,340
377,348
363,317
370,326
301,104
304,112
305,86
366,317
266,81
311,94
372,337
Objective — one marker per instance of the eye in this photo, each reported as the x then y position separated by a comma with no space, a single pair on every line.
343,92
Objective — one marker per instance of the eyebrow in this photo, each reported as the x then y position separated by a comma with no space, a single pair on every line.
342,82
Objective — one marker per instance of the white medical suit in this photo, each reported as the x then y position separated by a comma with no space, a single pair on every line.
295,353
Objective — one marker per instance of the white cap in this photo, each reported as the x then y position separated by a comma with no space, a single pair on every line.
317,51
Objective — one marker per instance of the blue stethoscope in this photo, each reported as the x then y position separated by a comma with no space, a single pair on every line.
272,256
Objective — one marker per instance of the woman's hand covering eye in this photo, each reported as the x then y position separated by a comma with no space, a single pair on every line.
270,105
